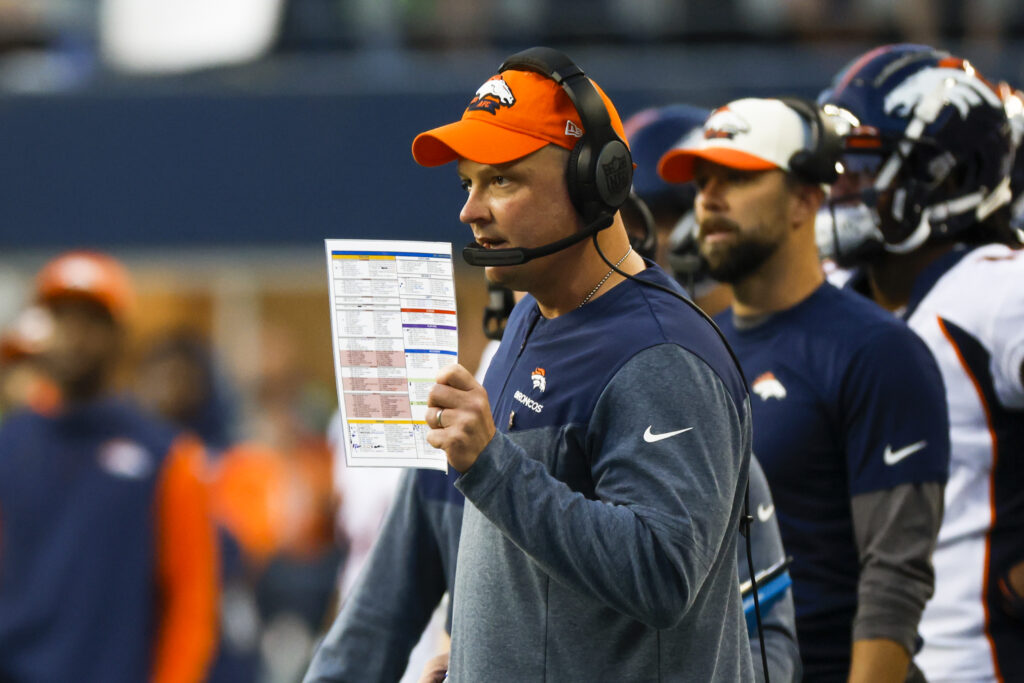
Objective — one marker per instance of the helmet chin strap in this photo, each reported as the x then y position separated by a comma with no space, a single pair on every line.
1001,195
916,238
982,204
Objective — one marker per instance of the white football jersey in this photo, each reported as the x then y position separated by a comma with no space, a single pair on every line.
972,319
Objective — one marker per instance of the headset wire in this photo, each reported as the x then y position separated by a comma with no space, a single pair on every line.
747,520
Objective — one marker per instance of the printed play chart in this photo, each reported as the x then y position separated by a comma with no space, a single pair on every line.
394,326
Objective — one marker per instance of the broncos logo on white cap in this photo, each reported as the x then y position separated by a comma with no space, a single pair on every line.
491,95
955,86
725,123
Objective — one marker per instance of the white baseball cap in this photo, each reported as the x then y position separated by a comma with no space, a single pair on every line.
750,134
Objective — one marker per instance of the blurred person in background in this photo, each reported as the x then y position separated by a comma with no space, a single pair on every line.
856,473
652,132
924,212
271,498
108,557
298,584
177,380
23,383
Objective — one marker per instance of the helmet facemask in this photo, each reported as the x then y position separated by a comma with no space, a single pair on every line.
939,139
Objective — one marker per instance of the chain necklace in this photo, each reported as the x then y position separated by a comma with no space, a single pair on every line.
605,278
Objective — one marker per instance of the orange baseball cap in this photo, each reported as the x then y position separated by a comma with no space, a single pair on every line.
29,334
512,114
88,275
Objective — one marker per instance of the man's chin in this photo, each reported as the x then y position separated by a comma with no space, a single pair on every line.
506,276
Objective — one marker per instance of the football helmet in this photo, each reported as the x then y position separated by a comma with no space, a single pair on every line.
1013,101
928,154
651,133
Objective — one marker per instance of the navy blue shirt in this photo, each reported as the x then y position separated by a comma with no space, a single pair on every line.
846,400
78,550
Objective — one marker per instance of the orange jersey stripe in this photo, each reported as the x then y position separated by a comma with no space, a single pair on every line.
187,569
991,488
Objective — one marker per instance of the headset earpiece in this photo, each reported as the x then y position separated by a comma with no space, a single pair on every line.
599,174
817,162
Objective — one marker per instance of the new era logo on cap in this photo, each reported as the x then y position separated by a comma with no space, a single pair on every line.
573,130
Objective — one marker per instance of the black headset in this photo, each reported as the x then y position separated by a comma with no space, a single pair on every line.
640,227
599,174
500,302
818,162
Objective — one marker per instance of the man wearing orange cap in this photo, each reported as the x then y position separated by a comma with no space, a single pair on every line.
22,382
107,550
604,458
857,477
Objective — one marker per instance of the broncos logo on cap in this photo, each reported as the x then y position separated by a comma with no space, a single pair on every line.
491,96
953,85
724,123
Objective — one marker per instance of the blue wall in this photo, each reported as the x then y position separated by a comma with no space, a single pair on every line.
151,170
292,152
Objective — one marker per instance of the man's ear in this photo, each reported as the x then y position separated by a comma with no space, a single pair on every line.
806,200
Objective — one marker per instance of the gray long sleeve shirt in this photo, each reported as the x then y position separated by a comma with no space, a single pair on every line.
599,542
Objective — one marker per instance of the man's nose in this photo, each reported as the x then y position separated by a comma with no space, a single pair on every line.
712,195
475,210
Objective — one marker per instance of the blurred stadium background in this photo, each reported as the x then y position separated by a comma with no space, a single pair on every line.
212,146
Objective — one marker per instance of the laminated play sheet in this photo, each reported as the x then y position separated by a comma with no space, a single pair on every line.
394,326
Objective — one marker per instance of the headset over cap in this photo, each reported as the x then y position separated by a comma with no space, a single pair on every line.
540,97
755,134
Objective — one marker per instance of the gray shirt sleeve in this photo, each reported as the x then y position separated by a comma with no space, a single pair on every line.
401,584
895,531
779,621
663,506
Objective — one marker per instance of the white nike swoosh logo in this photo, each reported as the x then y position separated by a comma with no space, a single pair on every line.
651,437
892,457
765,513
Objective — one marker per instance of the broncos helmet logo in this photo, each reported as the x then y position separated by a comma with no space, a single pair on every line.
492,95
952,85
724,123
